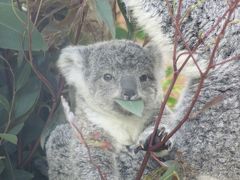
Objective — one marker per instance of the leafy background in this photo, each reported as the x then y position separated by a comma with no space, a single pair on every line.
31,36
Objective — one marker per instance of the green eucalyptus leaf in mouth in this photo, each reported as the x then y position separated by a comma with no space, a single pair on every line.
135,107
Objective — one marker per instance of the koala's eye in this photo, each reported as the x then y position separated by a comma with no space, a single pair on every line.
145,77
107,77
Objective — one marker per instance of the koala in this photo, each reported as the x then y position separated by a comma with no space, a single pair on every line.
101,73
210,142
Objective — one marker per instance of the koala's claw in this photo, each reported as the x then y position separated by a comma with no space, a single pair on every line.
160,136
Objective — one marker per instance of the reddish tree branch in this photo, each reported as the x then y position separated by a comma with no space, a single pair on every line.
237,57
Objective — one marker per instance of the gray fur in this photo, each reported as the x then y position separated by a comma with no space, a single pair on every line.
210,142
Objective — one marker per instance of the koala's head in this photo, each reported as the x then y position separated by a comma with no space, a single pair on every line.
106,71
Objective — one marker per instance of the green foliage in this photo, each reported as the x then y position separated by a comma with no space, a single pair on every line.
14,28
30,88
26,97
20,89
130,26
121,33
140,35
9,137
173,171
104,13
135,107
4,103
172,100
22,175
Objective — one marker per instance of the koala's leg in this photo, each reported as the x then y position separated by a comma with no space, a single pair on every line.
69,159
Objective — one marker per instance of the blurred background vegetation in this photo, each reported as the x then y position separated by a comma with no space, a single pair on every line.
31,36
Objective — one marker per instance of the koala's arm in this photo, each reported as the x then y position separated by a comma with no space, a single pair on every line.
69,159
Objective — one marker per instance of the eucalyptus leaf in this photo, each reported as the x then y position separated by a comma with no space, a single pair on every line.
25,102
140,35
20,58
27,97
155,174
8,170
22,175
4,103
174,171
129,24
23,76
32,130
2,166
121,33
104,12
6,1
9,137
136,107
172,101
16,129
14,30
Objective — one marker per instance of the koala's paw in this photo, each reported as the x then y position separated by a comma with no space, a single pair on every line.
160,136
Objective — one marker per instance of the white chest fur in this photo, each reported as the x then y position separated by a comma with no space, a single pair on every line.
124,130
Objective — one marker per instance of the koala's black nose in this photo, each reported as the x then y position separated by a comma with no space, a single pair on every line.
129,87
129,94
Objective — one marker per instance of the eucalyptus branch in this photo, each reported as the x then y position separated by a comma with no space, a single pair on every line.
234,58
38,11
43,79
30,59
82,13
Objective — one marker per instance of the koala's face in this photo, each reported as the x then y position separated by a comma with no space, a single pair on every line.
121,71
117,70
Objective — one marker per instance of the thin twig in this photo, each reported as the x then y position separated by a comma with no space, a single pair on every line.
226,61
44,81
80,18
38,11
156,158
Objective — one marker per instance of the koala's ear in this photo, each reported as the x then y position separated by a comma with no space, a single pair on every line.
71,64
155,54
159,66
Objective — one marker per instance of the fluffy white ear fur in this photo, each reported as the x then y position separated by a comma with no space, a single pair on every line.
151,25
70,64
159,71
